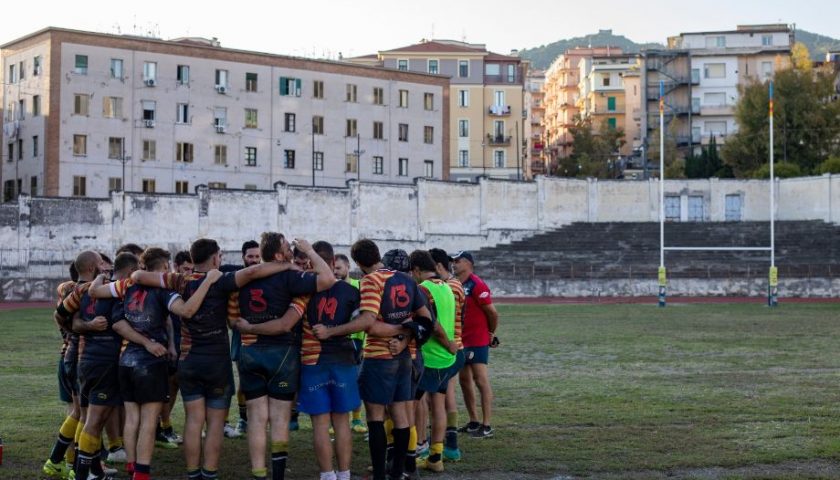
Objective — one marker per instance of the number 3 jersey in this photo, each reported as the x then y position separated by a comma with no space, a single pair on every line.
393,297
336,306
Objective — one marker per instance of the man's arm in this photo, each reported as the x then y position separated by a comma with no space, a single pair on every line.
364,321
149,279
277,326
492,317
100,289
170,334
125,330
262,270
98,324
326,277
187,309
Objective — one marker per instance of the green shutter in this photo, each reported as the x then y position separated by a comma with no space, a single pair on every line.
611,122
284,86
611,104
297,87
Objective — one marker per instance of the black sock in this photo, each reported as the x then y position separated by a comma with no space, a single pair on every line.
194,474
209,474
243,412
400,449
377,443
96,466
84,462
60,448
278,465
451,438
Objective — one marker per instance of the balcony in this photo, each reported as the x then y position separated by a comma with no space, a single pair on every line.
498,140
717,110
499,110
502,79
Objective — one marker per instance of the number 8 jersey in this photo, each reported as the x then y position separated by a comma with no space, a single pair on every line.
393,297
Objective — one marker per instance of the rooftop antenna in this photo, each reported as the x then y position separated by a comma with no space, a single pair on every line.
433,31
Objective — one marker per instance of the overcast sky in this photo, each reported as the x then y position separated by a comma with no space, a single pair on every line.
324,28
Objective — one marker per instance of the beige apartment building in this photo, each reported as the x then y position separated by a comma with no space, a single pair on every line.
603,94
534,131
87,113
486,110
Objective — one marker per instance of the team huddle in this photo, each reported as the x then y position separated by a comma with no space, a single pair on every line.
306,338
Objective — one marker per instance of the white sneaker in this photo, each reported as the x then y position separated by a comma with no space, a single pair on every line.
117,456
231,431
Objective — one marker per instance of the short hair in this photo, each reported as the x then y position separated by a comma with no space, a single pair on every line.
126,260
249,245
440,256
270,245
87,260
340,257
298,253
202,249
421,259
365,253
182,257
105,258
154,257
324,250
131,248
74,274
396,259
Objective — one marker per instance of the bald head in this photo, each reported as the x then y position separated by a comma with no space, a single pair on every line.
87,264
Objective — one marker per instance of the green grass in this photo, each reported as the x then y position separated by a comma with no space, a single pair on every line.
619,391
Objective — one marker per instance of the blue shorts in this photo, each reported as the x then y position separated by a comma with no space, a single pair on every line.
460,360
434,380
330,388
477,355
70,375
417,369
384,382
206,376
272,370
65,392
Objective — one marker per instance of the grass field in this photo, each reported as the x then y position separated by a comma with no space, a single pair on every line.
619,391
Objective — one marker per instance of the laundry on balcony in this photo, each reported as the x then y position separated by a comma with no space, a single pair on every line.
500,110
11,130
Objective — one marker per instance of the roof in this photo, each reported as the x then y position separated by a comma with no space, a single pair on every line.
501,58
745,29
437,47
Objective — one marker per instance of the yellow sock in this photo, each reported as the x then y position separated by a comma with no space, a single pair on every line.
389,427
357,414
73,430
412,439
277,447
452,419
259,472
79,427
88,443
68,428
436,448
115,443
240,398
164,424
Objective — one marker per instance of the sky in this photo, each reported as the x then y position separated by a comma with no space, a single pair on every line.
326,27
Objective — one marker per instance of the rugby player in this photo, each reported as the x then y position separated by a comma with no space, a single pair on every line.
342,272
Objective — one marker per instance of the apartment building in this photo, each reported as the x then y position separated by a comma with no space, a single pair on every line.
486,113
602,92
536,163
87,113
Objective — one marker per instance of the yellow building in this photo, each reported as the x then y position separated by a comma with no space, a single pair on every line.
602,92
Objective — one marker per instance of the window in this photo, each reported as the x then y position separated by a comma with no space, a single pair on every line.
511,73
183,113
463,68
148,185
251,156
21,109
463,158
33,186
403,167
696,134
492,69
350,93
80,104
499,98
403,130
149,72
20,149
695,105
149,150
499,130
184,152
695,75
8,190
715,128
11,154
115,147
612,123
182,186
36,105
714,98
114,184
112,107
672,208
378,165
428,134
610,104
714,70
429,168
217,185
429,101
251,116
250,82
221,78
289,159
499,158
317,89
81,66
403,98
22,70
718,41
350,130
318,125
317,160
117,68
148,111
378,130
402,64
433,66
36,66
351,163
378,96
767,69
220,155
289,122
733,208
79,145
766,40
463,98
463,128
250,186
79,186
182,74
695,208
35,146
289,87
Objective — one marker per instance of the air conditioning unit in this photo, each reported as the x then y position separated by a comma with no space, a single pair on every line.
150,82
221,88
149,123
220,128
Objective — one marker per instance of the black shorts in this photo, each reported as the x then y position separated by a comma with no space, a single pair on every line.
99,383
145,383
70,375
65,393
434,380
384,382
417,369
206,376
272,370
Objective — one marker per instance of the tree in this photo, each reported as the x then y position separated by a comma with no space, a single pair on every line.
593,153
801,57
707,164
806,123
671,153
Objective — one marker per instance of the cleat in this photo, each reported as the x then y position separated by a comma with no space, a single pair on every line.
452,454
484,432
470,427
294,426
358,426
423,449
58,470
117,455
242,427
172,436
231,431
426,464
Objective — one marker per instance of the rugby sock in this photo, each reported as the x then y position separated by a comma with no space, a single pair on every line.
164,424
259,473
376,444
79,427
345,475
357,414
452,430
328,476
400,449
209,474
88,456
142,472
65,438
194,473
129,468
389,440
243,408
279,455
411,453
436,452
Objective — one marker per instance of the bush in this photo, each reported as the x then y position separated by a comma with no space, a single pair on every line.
780,170
831,165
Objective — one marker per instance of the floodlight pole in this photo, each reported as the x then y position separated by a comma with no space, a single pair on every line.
663,280
773,278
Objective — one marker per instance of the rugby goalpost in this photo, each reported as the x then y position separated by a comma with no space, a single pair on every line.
773,276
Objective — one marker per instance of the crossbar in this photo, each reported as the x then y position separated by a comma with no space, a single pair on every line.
719,249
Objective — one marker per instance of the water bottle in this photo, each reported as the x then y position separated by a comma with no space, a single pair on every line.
1,451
